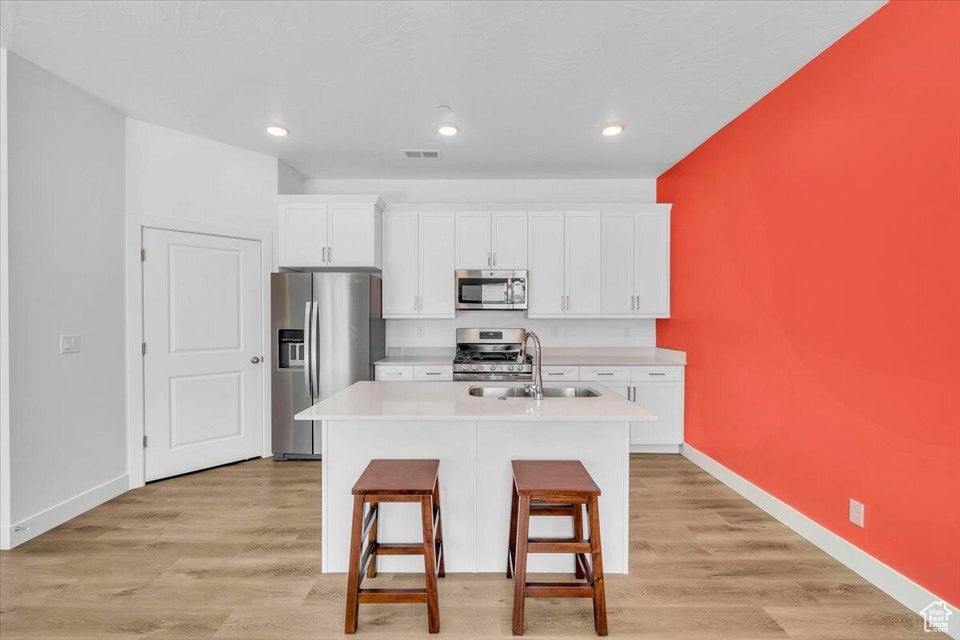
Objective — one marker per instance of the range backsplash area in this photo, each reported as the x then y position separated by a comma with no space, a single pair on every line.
557,332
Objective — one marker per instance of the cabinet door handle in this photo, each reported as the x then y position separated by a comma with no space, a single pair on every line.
554,373
604,373
432,373
324,254
568,303
329,254
494,258
656,373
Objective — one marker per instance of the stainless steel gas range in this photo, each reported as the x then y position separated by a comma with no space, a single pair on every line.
495,355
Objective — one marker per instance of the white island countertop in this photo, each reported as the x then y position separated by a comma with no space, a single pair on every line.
451,401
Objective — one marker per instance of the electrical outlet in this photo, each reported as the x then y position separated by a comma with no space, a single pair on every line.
626,332
856,512
554,332
420,331
69,343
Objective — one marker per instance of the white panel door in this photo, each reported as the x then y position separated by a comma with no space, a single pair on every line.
617,293
203,370
473,240
437,231
508,231
653,263
664,400
545,263
351,242
400,263
303,235
582,263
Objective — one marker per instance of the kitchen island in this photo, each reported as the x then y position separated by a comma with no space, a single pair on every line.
475,438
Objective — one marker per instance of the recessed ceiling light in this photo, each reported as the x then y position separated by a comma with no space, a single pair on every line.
448,129
612,129
277,130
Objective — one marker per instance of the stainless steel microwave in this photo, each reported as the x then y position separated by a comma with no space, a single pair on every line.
491,289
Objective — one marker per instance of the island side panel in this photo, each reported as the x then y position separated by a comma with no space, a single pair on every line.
604,449
348,448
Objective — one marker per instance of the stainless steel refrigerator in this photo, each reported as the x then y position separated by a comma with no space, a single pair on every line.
327,331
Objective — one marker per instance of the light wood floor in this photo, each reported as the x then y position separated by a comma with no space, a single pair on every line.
234,552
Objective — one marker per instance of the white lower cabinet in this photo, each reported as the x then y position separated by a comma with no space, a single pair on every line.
433,373
656,389
393,372
415,373
665,400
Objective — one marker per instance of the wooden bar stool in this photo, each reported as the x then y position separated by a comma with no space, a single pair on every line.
555,488
395,481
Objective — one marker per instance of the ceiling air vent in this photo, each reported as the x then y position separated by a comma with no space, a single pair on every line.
422,154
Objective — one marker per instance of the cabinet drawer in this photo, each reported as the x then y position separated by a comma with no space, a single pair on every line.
433,373
393,372
561,373
601,374
656,374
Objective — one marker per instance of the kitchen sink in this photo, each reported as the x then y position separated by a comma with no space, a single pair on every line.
524,392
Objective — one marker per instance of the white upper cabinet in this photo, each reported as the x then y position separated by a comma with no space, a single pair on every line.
508,234
401,263
652,260
303,234
491,240
545,284
613,263
436,264
582,263
418,264
330,231
617,295
354,236
473,240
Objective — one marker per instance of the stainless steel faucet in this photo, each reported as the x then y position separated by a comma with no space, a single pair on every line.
537,385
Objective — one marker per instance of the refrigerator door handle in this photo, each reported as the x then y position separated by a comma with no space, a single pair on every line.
308,347
315,341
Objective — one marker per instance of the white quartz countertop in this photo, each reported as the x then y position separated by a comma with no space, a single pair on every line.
425,360
569,356
613,357
451,401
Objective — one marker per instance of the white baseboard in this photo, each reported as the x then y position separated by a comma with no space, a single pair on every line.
655,448
31,527
896,585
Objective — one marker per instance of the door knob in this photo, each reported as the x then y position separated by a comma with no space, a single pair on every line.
255,359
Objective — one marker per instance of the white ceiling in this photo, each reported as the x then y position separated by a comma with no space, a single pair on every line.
531,83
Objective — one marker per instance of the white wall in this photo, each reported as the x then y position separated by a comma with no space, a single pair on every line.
67,441
289,180
494,191
4,318
565,332
171,174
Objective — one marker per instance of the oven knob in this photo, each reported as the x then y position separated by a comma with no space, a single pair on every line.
493,367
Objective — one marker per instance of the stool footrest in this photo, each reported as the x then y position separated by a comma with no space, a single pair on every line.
399,549
558,545
557,590
392,596
547,509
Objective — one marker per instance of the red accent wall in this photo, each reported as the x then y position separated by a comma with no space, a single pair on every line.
816,290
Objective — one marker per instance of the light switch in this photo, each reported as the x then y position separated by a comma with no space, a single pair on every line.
69,343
